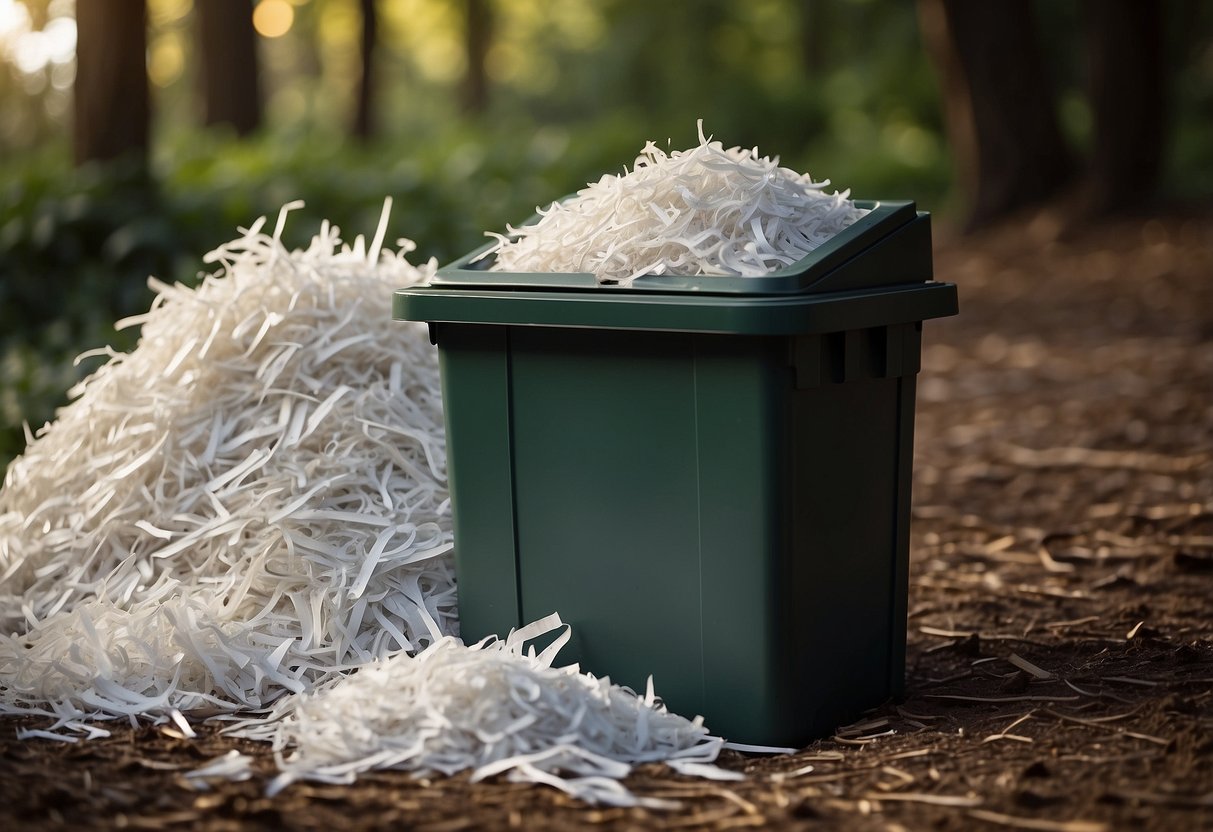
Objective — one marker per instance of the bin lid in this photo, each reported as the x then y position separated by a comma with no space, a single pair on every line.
876,271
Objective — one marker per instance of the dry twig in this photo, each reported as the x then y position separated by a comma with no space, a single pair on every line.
927,798
1038,824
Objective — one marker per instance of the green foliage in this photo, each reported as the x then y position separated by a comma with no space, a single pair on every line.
63,239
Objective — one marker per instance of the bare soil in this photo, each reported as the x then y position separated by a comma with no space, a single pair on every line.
1060,670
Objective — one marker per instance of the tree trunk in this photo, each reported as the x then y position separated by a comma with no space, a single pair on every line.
111,106
364,111
1128,101
230,75
814,37
998,104
478,36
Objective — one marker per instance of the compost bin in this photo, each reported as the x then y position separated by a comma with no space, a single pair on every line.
707,477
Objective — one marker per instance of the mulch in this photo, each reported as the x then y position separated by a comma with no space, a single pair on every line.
1060,662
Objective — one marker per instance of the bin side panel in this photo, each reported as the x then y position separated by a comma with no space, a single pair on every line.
606,511
837,629
474,365
741,430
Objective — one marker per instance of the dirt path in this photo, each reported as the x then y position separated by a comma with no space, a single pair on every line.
1061,608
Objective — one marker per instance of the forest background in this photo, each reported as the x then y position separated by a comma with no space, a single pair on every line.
135,136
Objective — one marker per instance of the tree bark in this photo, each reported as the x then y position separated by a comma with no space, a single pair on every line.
478,36
112,113
999,104
230,76
1128,101
364,109
814,36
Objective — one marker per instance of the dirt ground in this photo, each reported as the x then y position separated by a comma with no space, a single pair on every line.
1060,670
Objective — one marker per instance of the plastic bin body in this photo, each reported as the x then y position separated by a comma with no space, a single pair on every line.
711,489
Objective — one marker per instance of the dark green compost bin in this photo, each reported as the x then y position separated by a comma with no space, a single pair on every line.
707,477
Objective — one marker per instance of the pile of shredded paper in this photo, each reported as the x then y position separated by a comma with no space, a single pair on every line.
703,211
252,499
252,503
491,707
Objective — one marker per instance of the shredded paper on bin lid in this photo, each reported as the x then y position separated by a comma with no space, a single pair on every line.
253,503
703,211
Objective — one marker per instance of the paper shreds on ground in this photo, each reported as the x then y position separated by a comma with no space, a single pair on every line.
492,708
251,500
703,211
253,503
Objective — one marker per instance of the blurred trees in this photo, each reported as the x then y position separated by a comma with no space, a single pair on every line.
112,110
405,67
842,88
230,76
111,105
477,35
1128,88
1001,105
364,101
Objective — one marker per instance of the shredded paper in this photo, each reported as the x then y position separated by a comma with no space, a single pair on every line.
703,211
251,500
252,505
